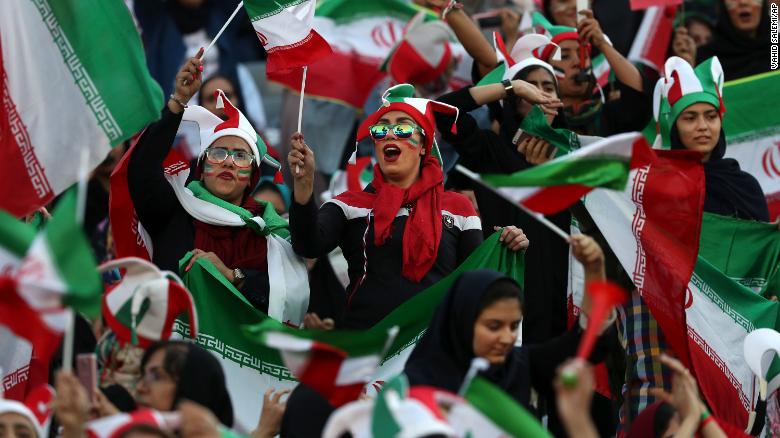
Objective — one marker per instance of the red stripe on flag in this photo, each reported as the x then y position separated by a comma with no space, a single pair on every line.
553,199
357,77
669,196
320,374
26,322
304,52
644,4
121,213
25,187
718,388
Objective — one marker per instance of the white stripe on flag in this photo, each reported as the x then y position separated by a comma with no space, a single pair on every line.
357,370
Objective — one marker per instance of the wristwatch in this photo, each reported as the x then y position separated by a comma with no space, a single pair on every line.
507,86
238,276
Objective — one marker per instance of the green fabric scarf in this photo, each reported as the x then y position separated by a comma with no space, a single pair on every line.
274,224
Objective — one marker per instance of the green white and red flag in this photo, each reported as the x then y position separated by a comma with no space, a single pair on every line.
114,426
362,35
653,228
336,364
55,273
555,185
644,4
73,76
491,413
654,34
284,28
753,137
252,368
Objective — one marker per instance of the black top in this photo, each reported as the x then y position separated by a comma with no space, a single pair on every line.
443,355
739,54
315,233
168,224
547,257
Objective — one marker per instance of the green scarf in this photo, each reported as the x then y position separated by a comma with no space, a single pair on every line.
274,224
535,123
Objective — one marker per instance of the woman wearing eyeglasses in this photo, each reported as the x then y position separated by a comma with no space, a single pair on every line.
207,211
403,232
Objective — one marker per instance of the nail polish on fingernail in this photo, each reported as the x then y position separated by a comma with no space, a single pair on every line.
200,68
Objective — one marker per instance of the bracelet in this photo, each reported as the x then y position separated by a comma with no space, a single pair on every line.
175,99
706,421
451,6
705,414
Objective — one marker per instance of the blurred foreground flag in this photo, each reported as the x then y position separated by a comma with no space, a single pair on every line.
284,28
72,76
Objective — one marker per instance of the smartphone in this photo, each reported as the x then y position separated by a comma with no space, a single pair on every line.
488,19
86,371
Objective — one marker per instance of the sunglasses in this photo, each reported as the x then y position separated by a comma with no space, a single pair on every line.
401,130
240,157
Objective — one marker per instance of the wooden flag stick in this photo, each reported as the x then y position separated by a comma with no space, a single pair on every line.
300,108
224,26
67,343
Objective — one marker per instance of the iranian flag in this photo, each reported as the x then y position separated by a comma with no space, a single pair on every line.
753,137
115,426
701,275
56,270
652,39
335,364
557,184
644,4
72,76
490,412
738,263
284,28
250,368
362,34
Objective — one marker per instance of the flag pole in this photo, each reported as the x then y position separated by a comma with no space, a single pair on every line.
224,26
300,108
538,216
67,343
477,364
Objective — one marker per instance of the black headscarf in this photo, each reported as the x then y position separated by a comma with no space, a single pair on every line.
203,381
443,356
739,54
730,191
199,377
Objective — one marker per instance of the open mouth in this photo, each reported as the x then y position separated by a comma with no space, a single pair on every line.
745,16
391,152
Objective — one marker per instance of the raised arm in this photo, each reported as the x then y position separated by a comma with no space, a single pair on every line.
314,233
625,72
152,196
470,36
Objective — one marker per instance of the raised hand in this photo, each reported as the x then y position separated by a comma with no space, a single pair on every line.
188,81
528,92
590,29
684,46
302,167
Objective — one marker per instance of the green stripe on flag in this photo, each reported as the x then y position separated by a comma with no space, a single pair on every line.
344,11
15,235
606,172
502,410
73,259
101,46
743,96
260,9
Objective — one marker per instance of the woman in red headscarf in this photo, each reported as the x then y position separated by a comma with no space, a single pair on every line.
403,232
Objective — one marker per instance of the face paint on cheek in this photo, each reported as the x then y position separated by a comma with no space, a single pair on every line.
244,174
208,169
413,142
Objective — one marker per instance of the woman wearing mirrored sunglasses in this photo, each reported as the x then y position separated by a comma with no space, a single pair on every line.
227,170
403,232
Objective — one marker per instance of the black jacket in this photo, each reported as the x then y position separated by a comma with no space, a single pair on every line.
169,225
315,233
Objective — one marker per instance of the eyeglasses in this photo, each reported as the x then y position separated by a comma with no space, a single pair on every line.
240,157
401,130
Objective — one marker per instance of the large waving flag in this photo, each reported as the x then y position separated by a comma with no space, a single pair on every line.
362,34
72,76
250,368
753,137
653,229
557,184
284,28
57,269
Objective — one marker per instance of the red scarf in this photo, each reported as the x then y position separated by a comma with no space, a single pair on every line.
422,233
237,247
